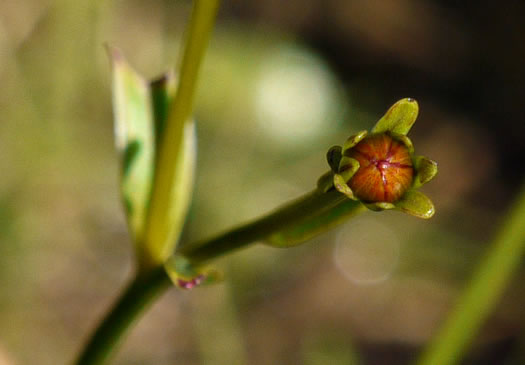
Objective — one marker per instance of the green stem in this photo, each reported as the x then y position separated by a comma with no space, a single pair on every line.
158,232
284,217
296,222
483,292
137,297
152,280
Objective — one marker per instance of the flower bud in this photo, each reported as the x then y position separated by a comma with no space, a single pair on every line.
386,171
380,169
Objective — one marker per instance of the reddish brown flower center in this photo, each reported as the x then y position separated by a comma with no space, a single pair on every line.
385,172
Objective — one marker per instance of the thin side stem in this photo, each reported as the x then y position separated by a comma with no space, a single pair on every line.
482,293
137,297
300,215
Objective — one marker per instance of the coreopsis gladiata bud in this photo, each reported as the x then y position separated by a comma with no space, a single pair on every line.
386,171
380,169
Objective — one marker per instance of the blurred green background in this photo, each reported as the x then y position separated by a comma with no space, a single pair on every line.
282,82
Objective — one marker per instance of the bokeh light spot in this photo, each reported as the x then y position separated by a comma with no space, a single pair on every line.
295,95
366,252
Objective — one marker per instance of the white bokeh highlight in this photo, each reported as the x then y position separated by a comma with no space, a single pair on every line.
295,95
366,252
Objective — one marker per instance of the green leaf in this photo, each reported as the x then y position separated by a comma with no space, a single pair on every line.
426,169
186,276
134,140
141,111
416,203
499,267
399,118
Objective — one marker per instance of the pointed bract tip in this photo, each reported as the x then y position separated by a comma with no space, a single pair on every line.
116,56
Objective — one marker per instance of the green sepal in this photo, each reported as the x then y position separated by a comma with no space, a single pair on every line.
405,140
353,140
379,206
399,118
134,137
348,168
425,168
184,275
416,203
333,156
342,187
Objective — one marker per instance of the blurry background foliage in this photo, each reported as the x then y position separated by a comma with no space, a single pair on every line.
282,82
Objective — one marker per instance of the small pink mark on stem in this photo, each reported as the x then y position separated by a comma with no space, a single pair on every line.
190,284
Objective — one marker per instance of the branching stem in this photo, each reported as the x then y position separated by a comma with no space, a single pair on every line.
299,220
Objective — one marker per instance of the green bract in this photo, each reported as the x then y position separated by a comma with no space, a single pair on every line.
141,112
135,141
418,170
186,276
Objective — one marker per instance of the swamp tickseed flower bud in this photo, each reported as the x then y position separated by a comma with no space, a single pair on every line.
380,169
385,172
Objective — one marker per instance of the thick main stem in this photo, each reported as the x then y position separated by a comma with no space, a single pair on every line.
137,297
159,228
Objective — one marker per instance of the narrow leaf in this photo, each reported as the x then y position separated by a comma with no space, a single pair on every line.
134,140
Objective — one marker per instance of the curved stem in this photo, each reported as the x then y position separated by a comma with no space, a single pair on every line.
295,222
137,297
